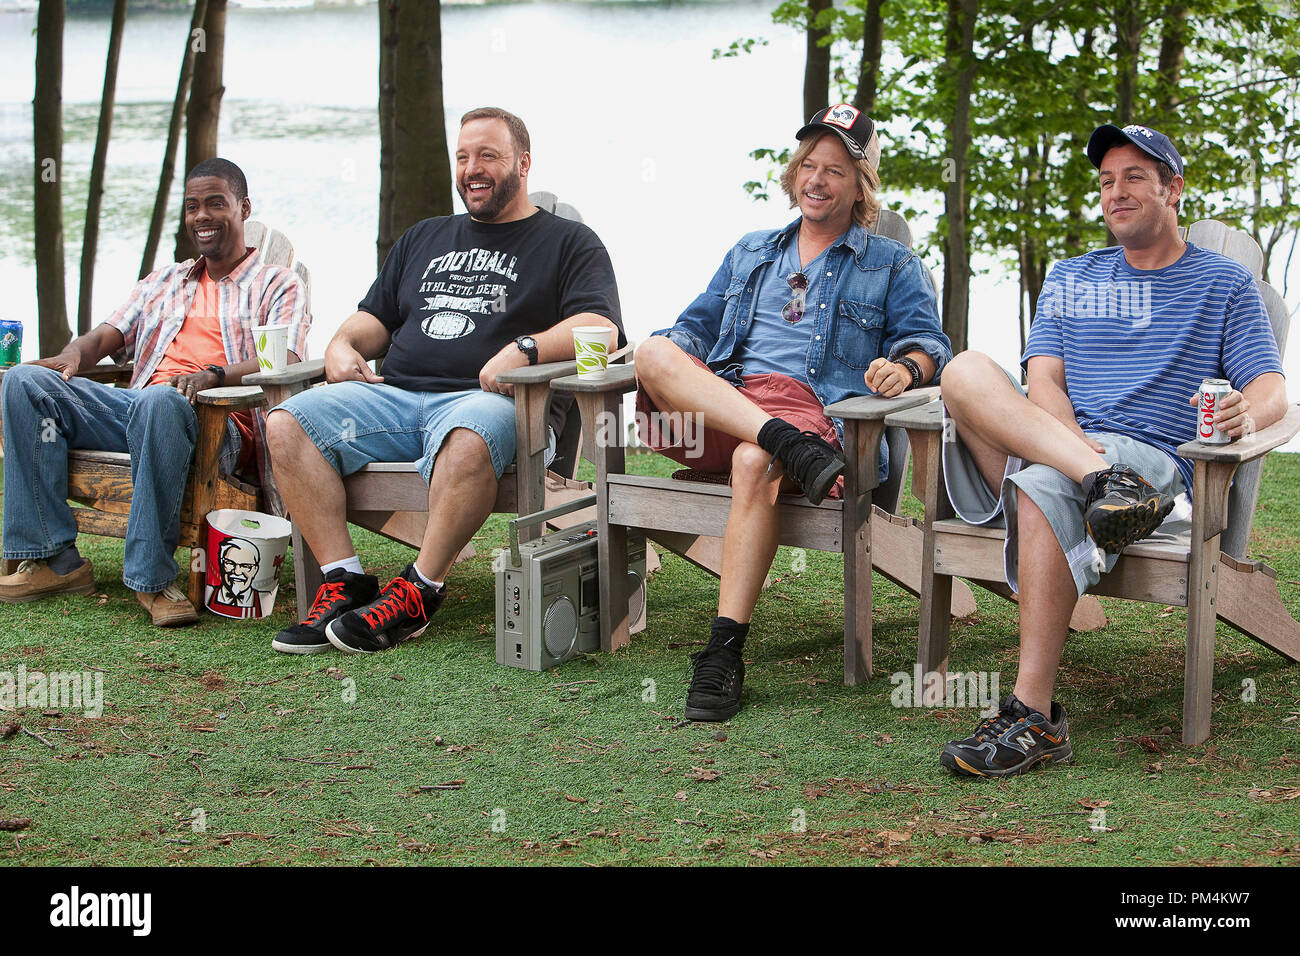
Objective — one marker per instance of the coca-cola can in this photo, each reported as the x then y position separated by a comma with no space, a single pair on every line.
1211,394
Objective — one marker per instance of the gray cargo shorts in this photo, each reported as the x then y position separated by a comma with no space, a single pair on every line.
1060,499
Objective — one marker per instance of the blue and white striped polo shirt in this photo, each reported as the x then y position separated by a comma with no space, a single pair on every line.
1137,343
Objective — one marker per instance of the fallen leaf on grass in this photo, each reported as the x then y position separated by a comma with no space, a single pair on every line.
680,795
895,836
13,826
765,854
1275,795
1093,804
9,729
703,774
575,799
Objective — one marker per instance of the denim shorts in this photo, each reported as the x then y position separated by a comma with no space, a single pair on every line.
357,423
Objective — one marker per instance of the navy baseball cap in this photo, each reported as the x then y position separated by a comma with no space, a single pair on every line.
852,126
1156,145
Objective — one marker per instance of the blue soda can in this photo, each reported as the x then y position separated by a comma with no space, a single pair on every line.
11,343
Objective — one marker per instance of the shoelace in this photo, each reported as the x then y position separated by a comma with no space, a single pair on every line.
400,596
713,671
325,598
1124,480
800,456
172,593
27,564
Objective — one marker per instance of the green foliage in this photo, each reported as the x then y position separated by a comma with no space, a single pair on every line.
1047,74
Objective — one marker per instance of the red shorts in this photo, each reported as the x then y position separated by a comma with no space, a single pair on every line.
779,395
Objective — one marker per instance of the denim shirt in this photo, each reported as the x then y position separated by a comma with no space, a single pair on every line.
878,301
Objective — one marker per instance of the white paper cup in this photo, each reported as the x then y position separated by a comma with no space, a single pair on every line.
591,349
272,343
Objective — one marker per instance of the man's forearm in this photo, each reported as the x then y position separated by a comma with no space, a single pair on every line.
556,343
363,333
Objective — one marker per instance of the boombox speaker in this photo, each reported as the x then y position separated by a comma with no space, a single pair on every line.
548,591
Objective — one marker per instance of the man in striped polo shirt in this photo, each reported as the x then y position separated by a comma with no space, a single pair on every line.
188,327
1084,463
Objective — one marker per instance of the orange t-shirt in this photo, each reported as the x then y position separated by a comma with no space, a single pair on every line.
197,345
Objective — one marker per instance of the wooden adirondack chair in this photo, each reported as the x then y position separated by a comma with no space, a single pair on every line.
101,480
1207,571
392,498
689,517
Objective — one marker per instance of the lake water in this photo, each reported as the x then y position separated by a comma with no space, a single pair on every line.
631,119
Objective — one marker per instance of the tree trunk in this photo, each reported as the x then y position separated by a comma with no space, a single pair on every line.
873,37
421,165
1173,44
387,92
1128,45
192,41
95,194
959,66
817,66
203,114
47,137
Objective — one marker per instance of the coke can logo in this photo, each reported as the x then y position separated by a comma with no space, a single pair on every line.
1206,429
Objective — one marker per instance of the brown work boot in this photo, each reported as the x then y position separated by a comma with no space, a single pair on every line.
168,607
34,580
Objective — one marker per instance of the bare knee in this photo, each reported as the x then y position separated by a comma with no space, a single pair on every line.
656,357
968,377
284,435
750,477
464,449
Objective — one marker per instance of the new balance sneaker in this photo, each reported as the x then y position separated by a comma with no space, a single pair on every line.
1016,739
716,682
1123,507
810,461
400,612
341,592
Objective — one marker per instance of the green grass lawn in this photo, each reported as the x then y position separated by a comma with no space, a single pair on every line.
213,749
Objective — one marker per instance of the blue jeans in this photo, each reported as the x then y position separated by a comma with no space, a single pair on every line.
357,423
44,416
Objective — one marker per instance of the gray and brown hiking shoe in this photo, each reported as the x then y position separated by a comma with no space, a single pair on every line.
1123,507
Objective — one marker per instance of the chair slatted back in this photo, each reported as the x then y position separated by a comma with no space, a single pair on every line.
1240,247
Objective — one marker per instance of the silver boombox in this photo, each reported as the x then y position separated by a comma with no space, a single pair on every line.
548,591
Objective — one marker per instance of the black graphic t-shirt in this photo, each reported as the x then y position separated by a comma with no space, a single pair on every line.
453,292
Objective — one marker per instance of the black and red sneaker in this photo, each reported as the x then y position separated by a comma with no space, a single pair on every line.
400,612
1012,741
341,592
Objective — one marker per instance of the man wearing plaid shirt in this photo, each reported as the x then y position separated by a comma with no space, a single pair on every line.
188,327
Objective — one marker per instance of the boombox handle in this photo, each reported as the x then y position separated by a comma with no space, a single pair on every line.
540,517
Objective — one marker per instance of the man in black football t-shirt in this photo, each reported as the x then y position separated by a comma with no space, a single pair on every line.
459,301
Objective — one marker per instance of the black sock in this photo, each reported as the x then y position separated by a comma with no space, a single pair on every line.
728,633
774,434
66,561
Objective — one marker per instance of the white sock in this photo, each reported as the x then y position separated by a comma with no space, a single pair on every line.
420,575
352,564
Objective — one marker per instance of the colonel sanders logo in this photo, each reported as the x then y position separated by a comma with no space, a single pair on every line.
238,563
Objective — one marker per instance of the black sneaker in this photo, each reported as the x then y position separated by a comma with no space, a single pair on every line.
1123,507
810,461
401,612
716,683
341,592
1013,741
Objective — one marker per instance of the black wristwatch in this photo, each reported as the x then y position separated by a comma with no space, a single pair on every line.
528,345
219,371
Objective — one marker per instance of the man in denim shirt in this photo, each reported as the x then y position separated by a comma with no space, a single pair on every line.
794,320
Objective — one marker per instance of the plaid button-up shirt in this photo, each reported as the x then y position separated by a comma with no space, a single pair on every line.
253,294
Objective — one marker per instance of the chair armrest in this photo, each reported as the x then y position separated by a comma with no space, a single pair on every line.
618,378
109,373
295,374
922,418
1251,446
874,408
538,374
232,398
